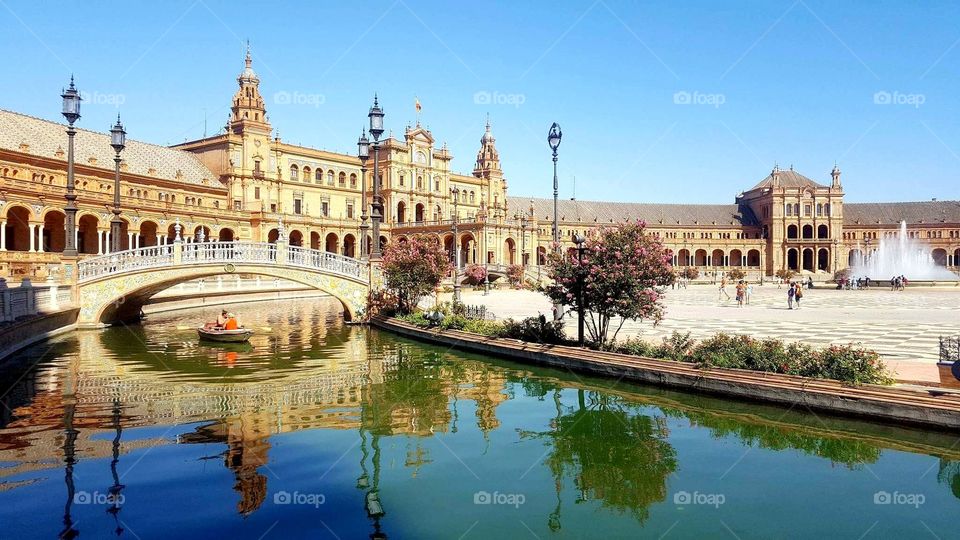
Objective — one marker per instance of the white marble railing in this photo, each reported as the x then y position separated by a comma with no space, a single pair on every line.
176,254
29,299
122,261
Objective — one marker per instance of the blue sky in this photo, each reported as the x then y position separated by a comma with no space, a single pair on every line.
659,102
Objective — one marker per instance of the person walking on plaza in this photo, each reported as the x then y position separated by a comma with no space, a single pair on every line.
741,292
791,291
798,294
723,289
749,293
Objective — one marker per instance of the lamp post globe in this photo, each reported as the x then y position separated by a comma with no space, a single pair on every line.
71,111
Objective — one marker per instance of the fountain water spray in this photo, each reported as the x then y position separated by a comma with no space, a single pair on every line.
899,256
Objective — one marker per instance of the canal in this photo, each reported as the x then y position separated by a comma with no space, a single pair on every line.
322,430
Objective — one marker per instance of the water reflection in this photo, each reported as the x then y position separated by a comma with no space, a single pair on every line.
409,411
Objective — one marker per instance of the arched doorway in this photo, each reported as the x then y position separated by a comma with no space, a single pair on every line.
17,229
808,231
296,238
468,249
273,235
149,231
716,258
823,259
314,240
791,231
753,258
808,259
419,213
541,255
350,246
54,234
736,257
854,257
823,231
448,247
197,237
383,243
87,235
683,257
226,235
509,251
792,260
700,257
939,257
332,243
401,212
956,257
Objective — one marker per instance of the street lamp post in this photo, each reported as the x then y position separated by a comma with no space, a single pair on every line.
836,248
363,153
553,139
71,111
376,129
455,194
523,242
486,256
118,138
579,240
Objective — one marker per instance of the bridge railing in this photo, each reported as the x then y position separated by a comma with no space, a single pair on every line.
226,252
131,259
323,260
220,252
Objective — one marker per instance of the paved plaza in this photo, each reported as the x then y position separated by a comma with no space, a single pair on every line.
902,326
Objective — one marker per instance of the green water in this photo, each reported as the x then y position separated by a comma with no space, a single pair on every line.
320,430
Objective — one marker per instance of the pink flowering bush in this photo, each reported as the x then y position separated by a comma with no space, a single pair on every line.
515,275
474,274
413,269
624,274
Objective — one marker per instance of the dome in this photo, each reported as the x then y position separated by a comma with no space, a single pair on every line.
248,74
487,136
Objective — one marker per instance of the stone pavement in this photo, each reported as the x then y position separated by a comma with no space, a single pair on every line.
902,326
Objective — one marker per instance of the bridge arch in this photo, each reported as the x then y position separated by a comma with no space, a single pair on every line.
113,288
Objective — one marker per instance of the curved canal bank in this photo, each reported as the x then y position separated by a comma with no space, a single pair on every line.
928,408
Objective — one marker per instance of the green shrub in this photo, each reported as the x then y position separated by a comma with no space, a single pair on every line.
534,329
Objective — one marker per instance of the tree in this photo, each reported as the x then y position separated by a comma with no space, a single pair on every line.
689,273
515,275
474,274
624,274
736,274
412,269
785,274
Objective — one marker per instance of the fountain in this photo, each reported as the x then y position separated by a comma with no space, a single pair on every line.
900,256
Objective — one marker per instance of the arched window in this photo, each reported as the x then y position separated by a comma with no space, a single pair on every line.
419,182
826,209
330,178
294,172
789,209
472,197
342,180
318,176
353,181
306,174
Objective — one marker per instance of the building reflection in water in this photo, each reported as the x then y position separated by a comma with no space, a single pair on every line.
307,371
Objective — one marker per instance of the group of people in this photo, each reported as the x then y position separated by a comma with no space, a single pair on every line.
853,283
794,294
744,291
898,283
225,321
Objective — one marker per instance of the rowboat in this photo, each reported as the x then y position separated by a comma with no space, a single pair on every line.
225,336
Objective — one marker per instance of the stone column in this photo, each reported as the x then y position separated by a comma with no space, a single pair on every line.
130,244
32,227
3,235
40,238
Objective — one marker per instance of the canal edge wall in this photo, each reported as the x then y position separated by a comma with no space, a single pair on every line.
27,331
887,404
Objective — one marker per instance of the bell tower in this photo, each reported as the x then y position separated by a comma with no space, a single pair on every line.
247,111
835,174
488,168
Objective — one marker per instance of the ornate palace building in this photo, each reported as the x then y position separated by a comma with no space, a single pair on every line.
247,184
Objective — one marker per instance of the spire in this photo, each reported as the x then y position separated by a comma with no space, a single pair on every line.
835,175
248,105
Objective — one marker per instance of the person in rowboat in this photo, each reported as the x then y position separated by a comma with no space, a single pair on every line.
231,322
